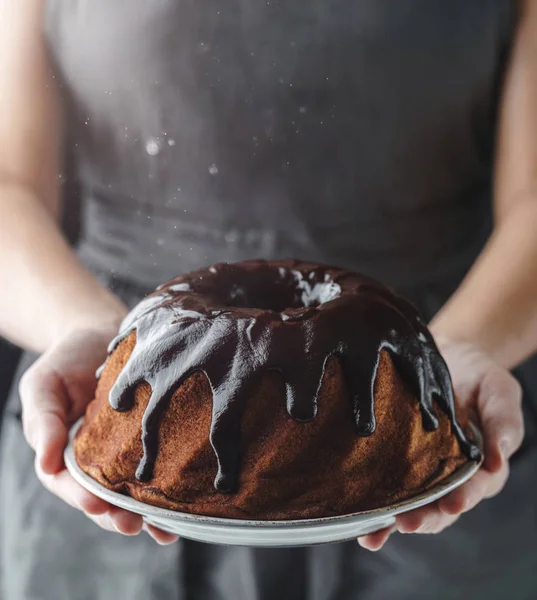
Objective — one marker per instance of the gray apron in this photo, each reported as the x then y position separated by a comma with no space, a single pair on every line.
354,132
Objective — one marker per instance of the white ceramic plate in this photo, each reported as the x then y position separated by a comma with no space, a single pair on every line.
236,532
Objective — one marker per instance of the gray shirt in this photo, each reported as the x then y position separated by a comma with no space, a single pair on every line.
357,133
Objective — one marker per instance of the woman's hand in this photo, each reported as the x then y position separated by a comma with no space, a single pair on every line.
492,397
55,392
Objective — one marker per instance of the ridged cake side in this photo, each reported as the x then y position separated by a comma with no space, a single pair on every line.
288,469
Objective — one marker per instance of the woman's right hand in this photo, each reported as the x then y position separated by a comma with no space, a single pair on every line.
55,392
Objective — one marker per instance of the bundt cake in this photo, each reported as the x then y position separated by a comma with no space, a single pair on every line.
273,390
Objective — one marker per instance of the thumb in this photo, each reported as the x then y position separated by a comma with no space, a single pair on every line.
499,404
44,410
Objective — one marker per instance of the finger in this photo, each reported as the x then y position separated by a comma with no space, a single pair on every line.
375,541
411,521
66,488
482,485
126,525
163,538
499,402
103,521
436,523
426,520
105,515
125,522
43,415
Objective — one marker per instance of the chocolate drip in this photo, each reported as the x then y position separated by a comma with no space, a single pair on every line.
234,321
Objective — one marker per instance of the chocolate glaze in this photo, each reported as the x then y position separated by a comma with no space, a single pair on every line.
234,321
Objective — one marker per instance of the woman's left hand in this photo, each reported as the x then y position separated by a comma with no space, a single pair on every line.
493,398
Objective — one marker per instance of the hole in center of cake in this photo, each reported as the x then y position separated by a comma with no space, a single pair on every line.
287,290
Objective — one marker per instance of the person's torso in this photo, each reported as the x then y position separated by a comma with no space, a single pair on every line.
353,132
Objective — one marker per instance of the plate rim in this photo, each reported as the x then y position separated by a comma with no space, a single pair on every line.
443,487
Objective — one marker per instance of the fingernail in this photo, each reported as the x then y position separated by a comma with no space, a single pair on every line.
112,523
504,449
39,448
38,442
167,543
